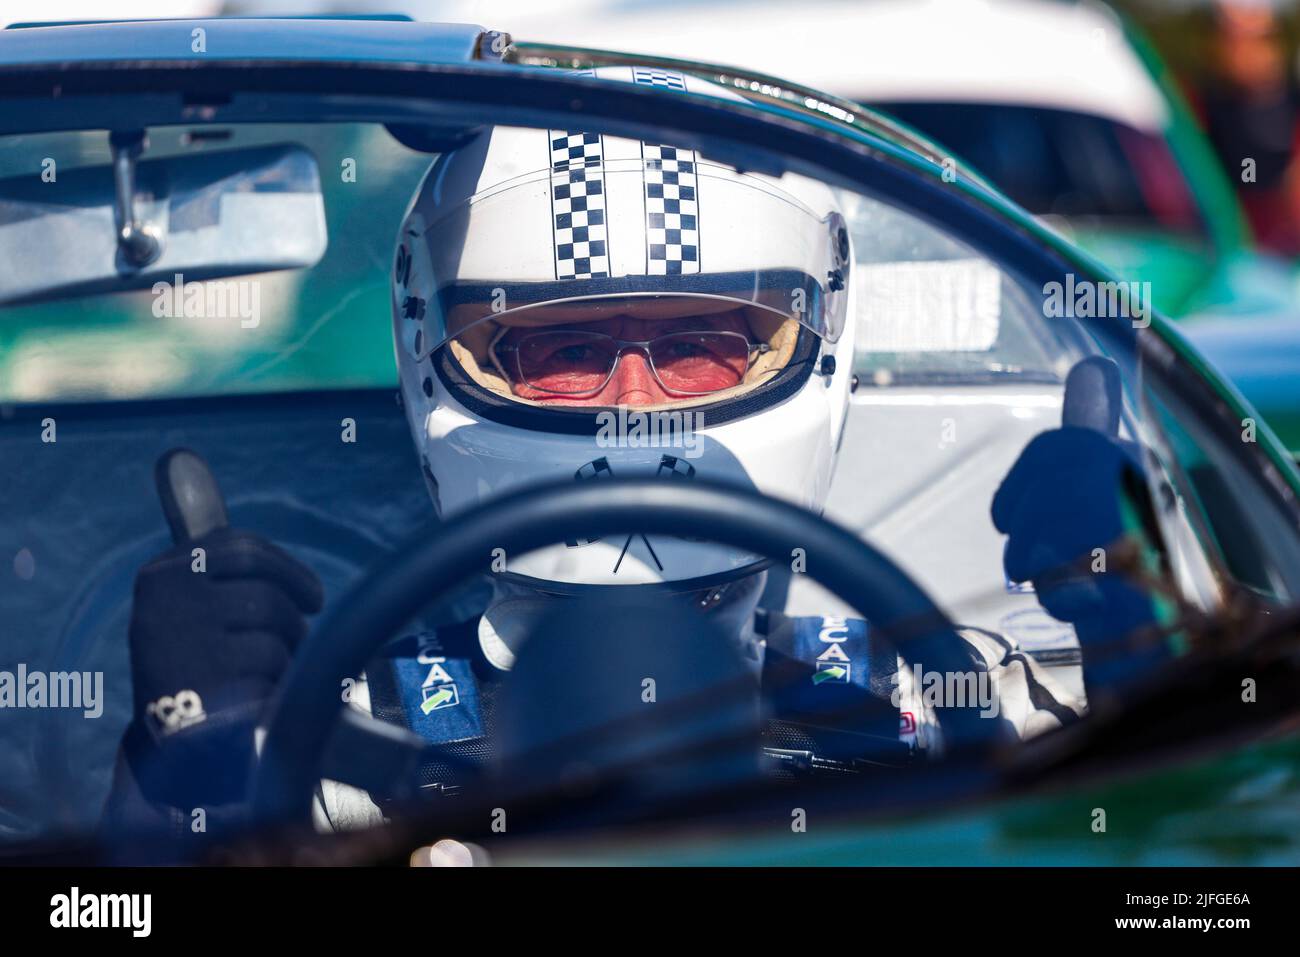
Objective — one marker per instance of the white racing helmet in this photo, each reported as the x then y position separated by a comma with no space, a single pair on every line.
523,231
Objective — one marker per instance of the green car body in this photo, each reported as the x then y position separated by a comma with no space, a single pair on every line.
1240,808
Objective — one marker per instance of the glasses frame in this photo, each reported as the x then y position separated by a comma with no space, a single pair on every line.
622,346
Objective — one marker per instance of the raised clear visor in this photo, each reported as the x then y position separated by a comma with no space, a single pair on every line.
623,228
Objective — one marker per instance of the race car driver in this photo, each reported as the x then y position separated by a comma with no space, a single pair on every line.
542,279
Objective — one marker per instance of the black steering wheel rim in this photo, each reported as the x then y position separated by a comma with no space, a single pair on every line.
441,556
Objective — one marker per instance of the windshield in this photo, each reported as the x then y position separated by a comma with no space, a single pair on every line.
1016,443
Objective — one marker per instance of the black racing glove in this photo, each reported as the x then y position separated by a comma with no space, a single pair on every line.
209,638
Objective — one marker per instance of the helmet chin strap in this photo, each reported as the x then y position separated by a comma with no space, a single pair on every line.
514,611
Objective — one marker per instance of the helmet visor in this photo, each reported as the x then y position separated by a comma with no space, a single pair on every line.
581,244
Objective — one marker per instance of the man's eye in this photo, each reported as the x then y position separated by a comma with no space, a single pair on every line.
572,353
684,350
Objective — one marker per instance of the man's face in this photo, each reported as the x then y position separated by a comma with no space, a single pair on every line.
634,382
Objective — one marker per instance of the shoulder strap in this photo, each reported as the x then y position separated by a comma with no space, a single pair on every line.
427,683
833,675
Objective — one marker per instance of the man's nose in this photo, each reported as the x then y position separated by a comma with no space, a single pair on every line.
634,382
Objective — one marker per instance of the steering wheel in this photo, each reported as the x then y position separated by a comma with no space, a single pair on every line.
441,556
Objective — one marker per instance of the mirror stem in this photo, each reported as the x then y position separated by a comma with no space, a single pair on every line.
137,241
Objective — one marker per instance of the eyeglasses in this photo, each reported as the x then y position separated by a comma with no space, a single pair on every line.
573,362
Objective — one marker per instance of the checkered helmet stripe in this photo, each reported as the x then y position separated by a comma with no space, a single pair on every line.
672,211
671,198
578,205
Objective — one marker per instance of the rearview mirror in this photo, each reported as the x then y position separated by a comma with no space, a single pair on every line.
211,215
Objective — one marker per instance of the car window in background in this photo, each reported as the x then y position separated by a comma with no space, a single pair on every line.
1062,163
